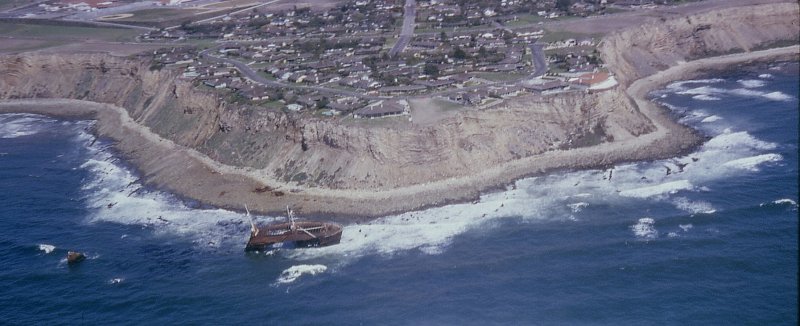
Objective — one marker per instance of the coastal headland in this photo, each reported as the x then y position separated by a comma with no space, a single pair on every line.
188,142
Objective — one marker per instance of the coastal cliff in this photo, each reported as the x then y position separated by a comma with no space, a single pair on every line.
302,150
269,158
638,52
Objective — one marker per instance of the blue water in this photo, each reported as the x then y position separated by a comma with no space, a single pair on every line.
714,244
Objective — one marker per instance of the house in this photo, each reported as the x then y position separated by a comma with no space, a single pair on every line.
472,98
383,108
255,93
216,83
434,83
505,91
342,107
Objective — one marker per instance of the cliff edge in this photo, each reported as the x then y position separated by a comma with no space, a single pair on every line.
189,141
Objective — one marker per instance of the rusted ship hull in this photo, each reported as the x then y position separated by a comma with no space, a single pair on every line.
294,235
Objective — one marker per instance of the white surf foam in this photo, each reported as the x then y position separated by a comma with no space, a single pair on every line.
19,125
710,93
710,119
704,97
293,273
785,201
774,96
645,228
765,76
694,207
746,92
114,194
681,85
660,189
577,207
752,163
685,227
740,140
778,96
702,90
116,280
47,248
751,83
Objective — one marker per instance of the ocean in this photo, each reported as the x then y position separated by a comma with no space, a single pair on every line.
710,237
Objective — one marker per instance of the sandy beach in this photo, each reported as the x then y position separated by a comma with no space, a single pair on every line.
166,165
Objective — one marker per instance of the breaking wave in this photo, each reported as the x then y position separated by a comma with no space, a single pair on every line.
778,96
293,273
22,124
577,207
751,83
681,85
712,118
785,201
660,189
752,163
694,207
704,97
47,248
701,92
115,194
645,228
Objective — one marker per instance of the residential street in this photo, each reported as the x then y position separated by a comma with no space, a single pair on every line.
407,32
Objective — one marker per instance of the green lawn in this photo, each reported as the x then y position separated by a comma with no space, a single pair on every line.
159,15
524,19
551,36
390,42
59,33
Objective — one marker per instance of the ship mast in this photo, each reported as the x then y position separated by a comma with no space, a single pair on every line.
291,217
294,227
253,228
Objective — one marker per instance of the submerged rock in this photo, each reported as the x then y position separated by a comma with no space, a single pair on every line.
74,257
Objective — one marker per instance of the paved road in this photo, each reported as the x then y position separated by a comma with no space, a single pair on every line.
407,32
539,62
253,75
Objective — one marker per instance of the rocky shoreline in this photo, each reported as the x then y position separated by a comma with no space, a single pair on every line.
181,168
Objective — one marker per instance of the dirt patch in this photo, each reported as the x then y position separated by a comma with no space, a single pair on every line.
428,111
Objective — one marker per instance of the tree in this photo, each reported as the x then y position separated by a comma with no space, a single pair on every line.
508,37
563,5
482,51
322,103
443,36
458,53
431,69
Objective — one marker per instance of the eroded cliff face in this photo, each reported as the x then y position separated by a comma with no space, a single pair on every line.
329,153
662,43
325,153
169,106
